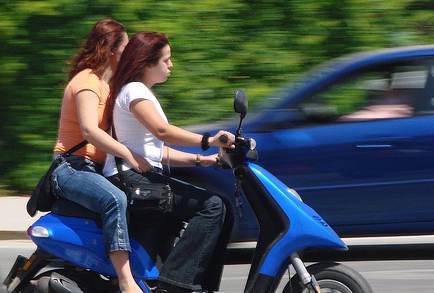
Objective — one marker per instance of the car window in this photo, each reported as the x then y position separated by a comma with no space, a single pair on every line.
390,91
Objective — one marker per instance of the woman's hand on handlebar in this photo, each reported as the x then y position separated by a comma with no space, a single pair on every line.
210,160
222,139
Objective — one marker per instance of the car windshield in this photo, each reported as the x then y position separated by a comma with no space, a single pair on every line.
333,67
303,79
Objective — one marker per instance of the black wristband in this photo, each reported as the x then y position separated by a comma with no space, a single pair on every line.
205,142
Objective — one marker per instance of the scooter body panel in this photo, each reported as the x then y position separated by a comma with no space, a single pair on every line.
307,229
79,241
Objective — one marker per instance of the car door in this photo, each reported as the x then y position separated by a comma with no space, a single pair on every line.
362,153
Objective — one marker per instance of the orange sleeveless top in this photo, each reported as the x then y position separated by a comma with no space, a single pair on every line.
69,133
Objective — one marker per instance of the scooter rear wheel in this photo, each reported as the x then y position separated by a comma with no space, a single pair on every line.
332,278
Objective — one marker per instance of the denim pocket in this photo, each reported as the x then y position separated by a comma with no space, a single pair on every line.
60,176
55,186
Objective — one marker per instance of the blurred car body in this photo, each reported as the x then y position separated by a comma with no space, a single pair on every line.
355,138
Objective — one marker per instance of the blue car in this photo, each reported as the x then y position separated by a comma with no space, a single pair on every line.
355,138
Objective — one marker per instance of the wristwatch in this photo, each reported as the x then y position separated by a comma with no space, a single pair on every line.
198,160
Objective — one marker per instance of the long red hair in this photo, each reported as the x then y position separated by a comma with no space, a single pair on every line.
105,36
144,49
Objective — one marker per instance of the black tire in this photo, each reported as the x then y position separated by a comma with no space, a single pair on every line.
332,277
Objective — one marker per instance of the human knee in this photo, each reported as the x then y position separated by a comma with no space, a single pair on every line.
215,206
116,200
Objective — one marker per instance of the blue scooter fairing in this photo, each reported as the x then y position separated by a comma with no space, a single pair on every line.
79,241
307,229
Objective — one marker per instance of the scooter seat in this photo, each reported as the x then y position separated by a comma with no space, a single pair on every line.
69,208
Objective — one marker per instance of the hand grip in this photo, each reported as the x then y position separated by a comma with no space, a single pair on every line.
223,138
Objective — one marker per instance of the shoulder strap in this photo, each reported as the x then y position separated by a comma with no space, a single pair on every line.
79,146
76,148
117,159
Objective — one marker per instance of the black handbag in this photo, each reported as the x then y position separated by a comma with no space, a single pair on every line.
144,198
43,196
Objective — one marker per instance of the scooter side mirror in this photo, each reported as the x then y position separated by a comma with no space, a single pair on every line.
240,103
240,106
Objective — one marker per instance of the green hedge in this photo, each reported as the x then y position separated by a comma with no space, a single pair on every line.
217,47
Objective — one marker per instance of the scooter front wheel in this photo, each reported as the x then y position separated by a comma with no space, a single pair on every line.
332,278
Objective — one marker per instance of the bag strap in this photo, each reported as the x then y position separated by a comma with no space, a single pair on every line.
117,159
75,148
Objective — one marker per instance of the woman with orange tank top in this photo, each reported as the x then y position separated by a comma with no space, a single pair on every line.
86,116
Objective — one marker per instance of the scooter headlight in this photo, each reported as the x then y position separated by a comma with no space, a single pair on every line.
39,231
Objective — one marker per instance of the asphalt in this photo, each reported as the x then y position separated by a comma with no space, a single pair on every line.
14,219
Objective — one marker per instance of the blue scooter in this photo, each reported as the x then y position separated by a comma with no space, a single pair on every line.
70,257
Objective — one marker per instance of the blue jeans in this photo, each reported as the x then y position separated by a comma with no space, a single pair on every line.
196,261
79,180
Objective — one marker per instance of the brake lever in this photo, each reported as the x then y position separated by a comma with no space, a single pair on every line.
217,165
224,139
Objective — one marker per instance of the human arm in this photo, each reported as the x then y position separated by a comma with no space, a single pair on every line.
147,114
87,110
184,159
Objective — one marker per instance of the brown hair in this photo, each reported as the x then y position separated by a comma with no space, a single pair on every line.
105,36
144,49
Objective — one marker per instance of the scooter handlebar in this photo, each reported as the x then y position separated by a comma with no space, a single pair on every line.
223,138
240,142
